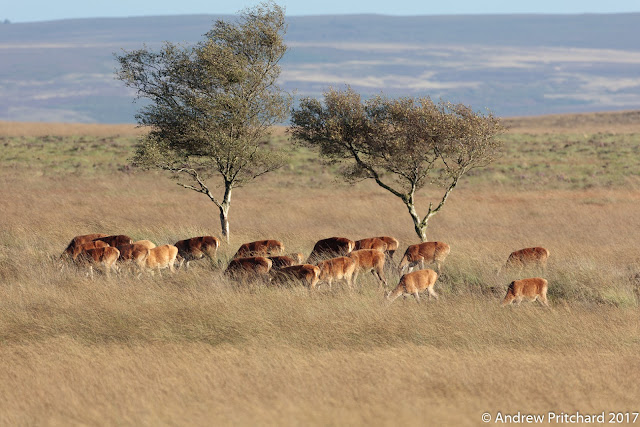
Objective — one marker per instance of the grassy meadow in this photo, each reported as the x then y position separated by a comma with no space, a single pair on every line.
196,348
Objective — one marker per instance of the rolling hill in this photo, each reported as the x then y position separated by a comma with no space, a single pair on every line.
514,65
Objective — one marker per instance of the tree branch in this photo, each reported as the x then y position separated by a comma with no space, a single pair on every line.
431,212
203,188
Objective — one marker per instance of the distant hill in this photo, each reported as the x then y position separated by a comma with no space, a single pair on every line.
514,65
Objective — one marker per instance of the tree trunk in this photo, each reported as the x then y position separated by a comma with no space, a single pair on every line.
224,210
419,225
224,223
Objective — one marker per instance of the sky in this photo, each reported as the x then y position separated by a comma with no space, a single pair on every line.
47,10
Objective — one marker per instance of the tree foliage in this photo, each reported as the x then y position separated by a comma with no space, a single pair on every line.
403,144
212,104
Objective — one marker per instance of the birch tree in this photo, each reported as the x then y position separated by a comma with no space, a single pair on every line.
403,144
211,105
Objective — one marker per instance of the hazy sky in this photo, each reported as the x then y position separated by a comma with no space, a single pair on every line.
46,10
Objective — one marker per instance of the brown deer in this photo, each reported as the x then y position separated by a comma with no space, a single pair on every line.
532,289
135,253
414,283
369,260
526,258
196,248
260,248
340,268
282,261
116,240
162,257
79,248
331,247
79,240
244,267
105,256
424,253
146,243
371,243
306,273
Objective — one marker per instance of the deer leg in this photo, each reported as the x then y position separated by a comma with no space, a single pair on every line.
543,300
508,299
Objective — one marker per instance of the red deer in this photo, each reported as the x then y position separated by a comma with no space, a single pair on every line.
331,247
340,268
146,243
162,257
260,248
196,248
136,253
298,257
392,244
281,261
414,283
369,260
526,258
116,240
78,240
249,266
79,248
531,289
370,243
107,256
424,253
306,273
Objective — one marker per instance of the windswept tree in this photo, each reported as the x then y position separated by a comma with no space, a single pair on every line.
211,105
403,144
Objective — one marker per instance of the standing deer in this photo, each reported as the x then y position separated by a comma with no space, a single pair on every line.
424,253
340,268
369,260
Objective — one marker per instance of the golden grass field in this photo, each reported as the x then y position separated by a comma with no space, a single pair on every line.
194,348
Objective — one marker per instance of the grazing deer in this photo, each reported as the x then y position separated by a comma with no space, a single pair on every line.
116,240
135,253
372,243
146,243
79,240
298,257
282,261
257,266
306,273
331,247
526,258
531,289
196,248
162,257
260,248
414,283
424,253
105,256
81,247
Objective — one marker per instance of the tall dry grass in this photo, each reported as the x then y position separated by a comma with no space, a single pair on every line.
196,348
67,129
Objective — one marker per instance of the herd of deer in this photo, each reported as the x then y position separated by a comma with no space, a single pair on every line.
334,258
